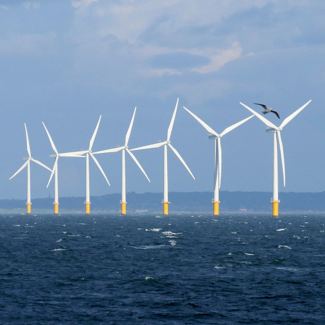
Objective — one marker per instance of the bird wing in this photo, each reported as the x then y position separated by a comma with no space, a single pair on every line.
264,106
276,113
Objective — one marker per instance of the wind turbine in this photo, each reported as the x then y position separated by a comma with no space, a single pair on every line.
124,149
27,164
90,153
276,130
217,155
167,144
55,171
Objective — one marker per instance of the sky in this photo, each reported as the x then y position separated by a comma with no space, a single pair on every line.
66,62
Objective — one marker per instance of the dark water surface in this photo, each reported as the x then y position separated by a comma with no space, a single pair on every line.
162,270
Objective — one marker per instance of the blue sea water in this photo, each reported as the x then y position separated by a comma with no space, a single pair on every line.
245,269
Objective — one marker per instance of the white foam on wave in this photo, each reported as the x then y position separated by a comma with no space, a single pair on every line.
150,246
170,234
64,232
16,225
291,269
59,249
234,232
147,278
59,241
74,235
284,246
249,254
281,229
219,267
173,242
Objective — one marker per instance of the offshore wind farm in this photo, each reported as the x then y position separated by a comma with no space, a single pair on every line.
137,182
167,143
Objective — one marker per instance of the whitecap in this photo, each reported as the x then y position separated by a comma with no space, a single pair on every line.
16,225
287,269
234,232
150,246
88,237
59,241
147,278
219,267
249,254
281,229
74,235
64,232
284,246
155,229
59,249
172,242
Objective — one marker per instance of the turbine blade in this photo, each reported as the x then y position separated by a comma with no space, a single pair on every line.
100,168
94,134
137,162
294,114
219,161
53,171
181,159
170,128
20,169
230,128
27,142
127,137
51,141
38,162
150,146
263,119
108,150
206,126
282,157
74,154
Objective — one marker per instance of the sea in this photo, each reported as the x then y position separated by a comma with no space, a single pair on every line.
155,269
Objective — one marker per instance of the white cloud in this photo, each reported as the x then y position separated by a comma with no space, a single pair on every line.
221,58
81,3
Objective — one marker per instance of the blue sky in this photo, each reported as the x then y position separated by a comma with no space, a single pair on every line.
67,62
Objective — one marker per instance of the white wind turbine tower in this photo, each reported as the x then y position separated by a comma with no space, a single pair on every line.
276,130
55,170
217,155
90,153
27,164
124,149
167,144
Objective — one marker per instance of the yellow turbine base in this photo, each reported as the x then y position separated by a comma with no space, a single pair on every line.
29,207
215,208
275,208
166,208
123,207
56,208
87,205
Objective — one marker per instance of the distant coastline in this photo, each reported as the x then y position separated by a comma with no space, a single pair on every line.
196,202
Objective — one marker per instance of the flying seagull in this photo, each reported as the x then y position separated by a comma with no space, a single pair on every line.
268,110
